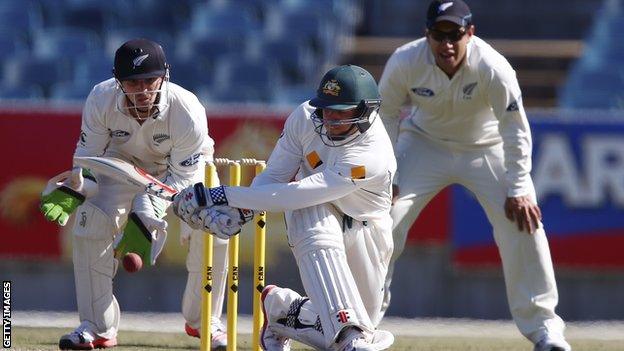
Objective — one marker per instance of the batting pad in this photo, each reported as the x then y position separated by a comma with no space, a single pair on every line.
331,288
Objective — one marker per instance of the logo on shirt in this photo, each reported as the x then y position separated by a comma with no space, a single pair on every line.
159,138
83,138
421,91
513,106
191,160
468,89
331,87
138,61
314,160
120,136
358,172
444,6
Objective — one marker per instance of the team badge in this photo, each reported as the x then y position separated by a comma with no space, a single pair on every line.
468,90
331,87
358,172
314,160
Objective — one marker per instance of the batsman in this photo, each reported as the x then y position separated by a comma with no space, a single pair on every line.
337,207
141,117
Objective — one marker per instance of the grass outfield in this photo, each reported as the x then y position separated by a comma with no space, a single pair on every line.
47,339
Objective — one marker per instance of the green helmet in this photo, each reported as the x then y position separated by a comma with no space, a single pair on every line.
343,88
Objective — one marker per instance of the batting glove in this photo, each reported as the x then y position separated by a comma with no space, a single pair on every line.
224,221
188,202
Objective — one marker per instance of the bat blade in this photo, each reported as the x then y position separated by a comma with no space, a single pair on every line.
128,173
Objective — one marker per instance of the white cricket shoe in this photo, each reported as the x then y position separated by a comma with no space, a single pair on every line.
84,339
355,340
218,339
269,340
550,343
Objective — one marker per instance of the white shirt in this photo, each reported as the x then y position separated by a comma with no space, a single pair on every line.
172,146
480,106
356,178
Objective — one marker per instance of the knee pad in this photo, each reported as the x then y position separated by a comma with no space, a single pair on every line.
92,222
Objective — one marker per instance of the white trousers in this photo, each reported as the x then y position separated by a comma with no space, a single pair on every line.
425,167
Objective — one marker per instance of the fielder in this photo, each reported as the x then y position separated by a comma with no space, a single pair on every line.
141,117
468,126
337,214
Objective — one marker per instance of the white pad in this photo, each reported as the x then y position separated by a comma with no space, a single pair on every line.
94,268
317,242
93,222
191,300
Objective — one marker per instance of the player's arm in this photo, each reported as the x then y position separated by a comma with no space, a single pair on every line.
393,89
94,134
68,190
287,155
506,101
190,141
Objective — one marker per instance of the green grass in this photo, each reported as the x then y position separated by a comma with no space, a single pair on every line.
47,339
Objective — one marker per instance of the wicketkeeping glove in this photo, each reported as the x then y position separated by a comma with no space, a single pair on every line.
224,221
65,192
146,232
188,202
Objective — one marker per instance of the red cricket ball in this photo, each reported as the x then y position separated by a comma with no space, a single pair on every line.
132,262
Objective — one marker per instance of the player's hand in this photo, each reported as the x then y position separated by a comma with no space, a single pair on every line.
188,202
524,212
395,192
65,192
224,221
144,235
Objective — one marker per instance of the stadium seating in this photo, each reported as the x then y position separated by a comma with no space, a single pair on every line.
596,80
62,46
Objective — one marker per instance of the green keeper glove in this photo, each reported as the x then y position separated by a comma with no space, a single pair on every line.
65,192
145,233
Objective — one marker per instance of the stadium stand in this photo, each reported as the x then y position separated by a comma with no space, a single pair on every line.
81,36
596,80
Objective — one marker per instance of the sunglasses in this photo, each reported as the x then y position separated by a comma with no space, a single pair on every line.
452,37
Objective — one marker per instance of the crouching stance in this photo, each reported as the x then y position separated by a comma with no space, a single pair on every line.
337,212
142,118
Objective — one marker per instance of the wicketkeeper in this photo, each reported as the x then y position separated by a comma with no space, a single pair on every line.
141,117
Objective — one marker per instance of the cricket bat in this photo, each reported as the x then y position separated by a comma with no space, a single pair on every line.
127,173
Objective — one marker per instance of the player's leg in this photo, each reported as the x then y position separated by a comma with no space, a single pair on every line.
369,248
334,316
527,265
423,169
191,300
96,222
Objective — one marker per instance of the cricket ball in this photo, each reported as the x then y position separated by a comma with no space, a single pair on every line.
132,262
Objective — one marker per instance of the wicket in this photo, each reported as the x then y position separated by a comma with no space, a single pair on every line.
233,249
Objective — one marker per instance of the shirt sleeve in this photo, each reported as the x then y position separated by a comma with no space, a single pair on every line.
506,101
188,154
286,157
393,91
315,189
94,134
